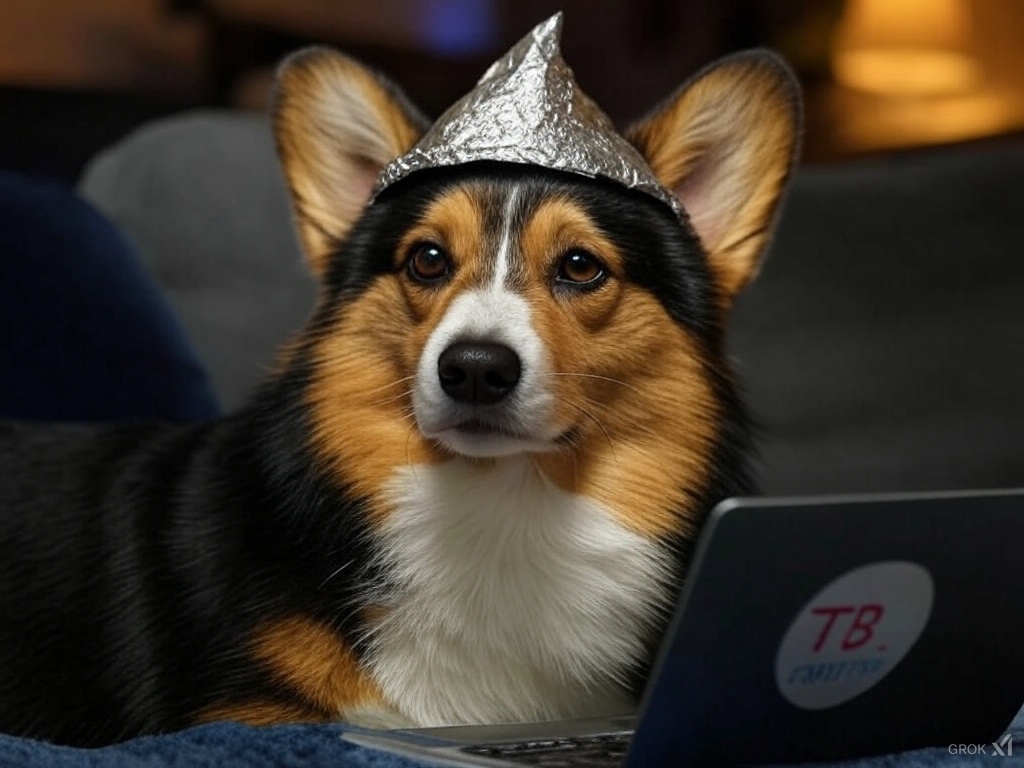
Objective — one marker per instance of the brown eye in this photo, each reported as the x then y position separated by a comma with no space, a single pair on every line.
427,263
580,269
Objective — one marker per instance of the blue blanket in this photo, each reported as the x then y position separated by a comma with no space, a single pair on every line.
227,745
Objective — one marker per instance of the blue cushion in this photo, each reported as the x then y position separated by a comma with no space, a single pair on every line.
85,334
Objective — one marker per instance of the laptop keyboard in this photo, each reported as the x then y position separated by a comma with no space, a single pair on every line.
607,750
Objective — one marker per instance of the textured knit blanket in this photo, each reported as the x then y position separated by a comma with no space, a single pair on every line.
227,745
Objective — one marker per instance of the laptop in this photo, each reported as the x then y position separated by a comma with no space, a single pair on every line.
808,629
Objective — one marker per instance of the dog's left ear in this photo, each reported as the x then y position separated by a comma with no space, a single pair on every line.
337,123
724,144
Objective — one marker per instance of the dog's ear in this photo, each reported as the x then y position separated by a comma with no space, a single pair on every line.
724,144
336,125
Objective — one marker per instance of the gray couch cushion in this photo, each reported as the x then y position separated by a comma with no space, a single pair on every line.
884,341
882,346
203,199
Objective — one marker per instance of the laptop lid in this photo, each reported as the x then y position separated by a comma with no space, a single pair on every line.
821,629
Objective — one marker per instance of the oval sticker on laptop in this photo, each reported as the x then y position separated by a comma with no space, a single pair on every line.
853,633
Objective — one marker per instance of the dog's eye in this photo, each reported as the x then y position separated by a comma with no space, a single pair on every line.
580,269
427,263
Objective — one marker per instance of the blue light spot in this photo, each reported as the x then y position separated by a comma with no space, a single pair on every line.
459,27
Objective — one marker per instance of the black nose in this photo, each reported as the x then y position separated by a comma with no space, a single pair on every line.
479,373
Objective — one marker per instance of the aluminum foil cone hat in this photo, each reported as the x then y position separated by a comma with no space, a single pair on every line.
528,108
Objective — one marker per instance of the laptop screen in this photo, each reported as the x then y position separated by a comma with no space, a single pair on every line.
831,628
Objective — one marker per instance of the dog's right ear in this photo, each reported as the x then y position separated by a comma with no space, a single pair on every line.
336,125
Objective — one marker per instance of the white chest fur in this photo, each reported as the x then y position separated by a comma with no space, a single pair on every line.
512,599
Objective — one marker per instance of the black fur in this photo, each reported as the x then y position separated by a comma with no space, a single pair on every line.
136,561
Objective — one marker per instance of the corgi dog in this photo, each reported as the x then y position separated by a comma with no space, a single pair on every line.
468,491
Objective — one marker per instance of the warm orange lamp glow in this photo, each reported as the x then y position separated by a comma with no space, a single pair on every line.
905,48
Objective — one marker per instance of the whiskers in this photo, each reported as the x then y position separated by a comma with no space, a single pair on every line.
586,407
597,422
398,382
609,379
409,414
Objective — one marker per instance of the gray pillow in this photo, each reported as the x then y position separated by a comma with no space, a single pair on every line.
203,199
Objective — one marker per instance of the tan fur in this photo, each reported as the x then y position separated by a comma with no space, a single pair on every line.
454,222
629,381
360,398
337,124
645,442
556,227
724,145
313,661
261,713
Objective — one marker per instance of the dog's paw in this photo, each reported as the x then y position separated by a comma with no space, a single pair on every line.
378,717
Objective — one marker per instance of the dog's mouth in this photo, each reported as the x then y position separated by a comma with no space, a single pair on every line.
482,438
479,427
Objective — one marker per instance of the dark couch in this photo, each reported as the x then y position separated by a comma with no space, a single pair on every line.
882,346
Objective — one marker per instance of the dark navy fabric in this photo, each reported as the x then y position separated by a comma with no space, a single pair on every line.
85,334
222,745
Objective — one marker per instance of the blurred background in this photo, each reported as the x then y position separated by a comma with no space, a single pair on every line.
76,75
884,343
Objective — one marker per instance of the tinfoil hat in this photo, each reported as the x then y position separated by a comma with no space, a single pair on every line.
528,108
